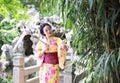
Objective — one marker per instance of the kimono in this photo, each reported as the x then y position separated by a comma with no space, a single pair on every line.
49,73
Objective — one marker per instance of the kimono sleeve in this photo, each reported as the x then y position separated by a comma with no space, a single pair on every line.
38,49
62,52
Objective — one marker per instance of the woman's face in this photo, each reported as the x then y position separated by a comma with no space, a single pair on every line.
47,31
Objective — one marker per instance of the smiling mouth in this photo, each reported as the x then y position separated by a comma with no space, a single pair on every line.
50,33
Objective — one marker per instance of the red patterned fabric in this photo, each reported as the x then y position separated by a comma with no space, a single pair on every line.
51,58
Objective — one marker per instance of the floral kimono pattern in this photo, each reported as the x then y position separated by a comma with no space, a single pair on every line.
49,73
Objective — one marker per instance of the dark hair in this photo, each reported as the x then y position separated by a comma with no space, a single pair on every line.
42,27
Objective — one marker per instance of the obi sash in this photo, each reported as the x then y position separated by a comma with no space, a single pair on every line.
51,58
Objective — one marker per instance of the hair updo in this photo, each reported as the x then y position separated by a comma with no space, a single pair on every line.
42,27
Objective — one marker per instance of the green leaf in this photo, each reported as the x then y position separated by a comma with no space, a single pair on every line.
90,3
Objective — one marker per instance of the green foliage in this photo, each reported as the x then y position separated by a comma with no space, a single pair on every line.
95,24
46,7
8,31
12,9
28,3
6,81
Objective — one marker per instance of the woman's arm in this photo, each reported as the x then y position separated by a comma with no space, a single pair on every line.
62,52
40,49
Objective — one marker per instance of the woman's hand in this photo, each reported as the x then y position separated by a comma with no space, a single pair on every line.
64,46
45,47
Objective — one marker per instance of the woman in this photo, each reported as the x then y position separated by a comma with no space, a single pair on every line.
52,54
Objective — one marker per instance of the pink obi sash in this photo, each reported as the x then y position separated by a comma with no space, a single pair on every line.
51,58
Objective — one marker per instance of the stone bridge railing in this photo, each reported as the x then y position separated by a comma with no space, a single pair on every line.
20,73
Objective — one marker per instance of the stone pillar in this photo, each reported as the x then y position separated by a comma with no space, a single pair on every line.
18,70
68,72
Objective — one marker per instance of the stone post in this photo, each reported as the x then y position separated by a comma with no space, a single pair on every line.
18,70
68,72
